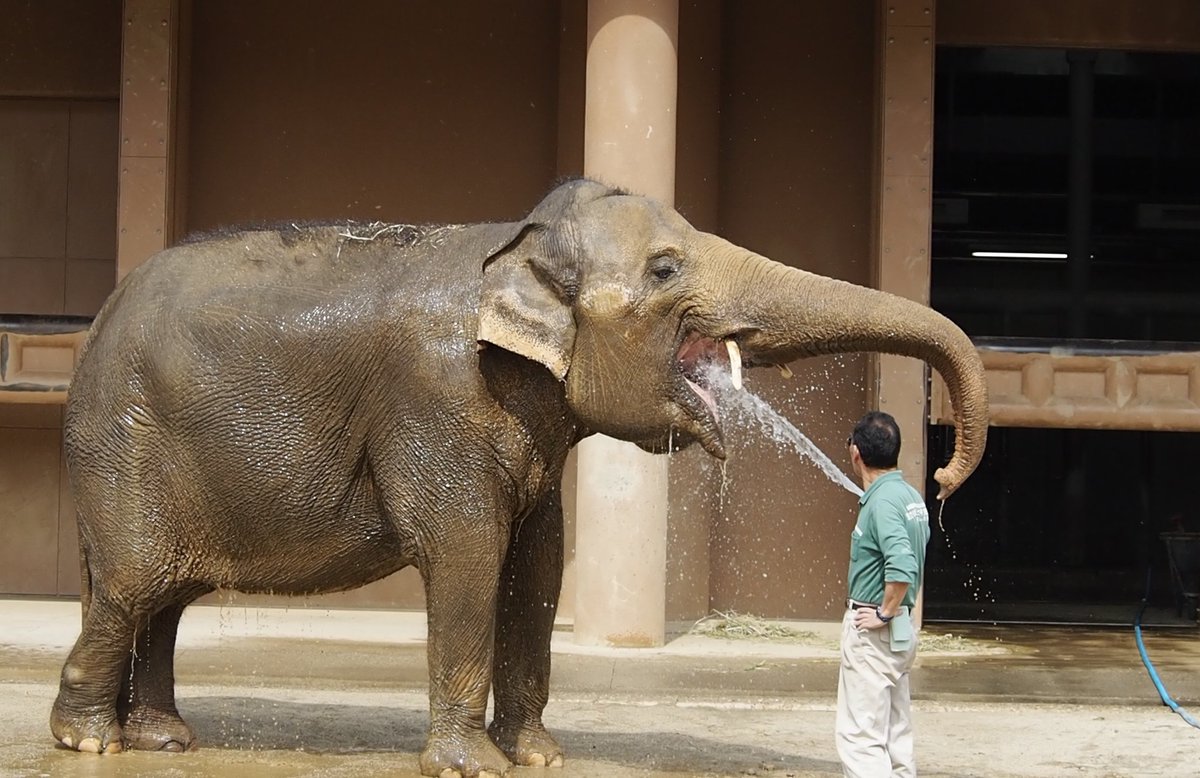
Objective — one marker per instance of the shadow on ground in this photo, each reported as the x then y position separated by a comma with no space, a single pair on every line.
242,724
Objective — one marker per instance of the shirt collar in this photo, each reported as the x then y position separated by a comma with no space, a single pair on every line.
891,475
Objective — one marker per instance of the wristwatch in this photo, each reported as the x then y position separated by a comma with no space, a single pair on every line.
879,615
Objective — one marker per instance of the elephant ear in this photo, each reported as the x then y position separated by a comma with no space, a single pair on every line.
531,281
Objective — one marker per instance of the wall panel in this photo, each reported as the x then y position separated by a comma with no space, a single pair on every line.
796,185
29,494
34,143
56,48
416,111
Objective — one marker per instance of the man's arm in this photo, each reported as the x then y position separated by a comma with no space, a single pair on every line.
893,595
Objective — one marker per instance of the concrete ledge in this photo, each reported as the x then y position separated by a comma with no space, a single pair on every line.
320,648
1060,388
38,355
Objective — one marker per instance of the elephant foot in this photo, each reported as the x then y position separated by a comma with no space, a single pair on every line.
96,733
150,729
472,756
529,745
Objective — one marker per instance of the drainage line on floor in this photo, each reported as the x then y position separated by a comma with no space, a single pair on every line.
1158,684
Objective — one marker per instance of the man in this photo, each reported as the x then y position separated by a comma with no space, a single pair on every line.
887,556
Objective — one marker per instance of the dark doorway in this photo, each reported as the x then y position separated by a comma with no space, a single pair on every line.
1066,215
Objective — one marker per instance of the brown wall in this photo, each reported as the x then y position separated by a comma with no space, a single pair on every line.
416,111
434,112
413,111
1158,25
59,77
60,48
58,186
796,185
693,488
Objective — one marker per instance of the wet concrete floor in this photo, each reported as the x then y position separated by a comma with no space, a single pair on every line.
991,701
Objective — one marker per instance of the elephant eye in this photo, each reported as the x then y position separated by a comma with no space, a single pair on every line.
664,266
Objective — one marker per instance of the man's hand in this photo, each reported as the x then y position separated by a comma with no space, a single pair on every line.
893,595
865,618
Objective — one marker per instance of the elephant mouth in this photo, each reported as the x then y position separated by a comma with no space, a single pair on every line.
700,359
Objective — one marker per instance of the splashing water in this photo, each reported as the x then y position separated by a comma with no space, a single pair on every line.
740,405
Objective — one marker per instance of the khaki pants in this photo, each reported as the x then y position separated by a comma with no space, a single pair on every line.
874,725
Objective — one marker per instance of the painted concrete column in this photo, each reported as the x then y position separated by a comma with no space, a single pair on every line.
629,141
905,205
149,54
905,208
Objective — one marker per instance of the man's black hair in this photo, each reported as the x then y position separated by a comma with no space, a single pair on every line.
878,439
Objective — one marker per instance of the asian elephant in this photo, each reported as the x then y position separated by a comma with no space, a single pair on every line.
310,408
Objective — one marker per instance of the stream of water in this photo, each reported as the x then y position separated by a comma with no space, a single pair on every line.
741,406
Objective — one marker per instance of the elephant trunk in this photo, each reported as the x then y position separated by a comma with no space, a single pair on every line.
788,313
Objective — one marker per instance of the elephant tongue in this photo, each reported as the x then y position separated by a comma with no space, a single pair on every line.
705,395
697,353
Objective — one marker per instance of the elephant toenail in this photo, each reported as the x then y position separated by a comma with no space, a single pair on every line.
557,761
90,745
174,746
536,760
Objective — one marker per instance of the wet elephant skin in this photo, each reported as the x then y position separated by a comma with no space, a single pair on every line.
308,409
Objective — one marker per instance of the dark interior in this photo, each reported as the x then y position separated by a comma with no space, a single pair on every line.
1093,160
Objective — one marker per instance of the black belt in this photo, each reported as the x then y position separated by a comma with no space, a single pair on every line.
855,604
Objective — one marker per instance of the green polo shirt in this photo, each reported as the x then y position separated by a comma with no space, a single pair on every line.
888,541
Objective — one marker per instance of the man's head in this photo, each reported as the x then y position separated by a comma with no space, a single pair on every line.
877,439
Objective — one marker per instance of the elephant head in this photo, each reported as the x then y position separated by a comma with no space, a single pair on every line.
627,304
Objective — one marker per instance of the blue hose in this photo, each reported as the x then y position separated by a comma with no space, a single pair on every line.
1158,684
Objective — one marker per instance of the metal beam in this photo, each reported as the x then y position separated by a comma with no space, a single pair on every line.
149,57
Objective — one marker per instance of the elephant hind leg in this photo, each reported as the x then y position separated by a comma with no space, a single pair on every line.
117,685
84,716
146,704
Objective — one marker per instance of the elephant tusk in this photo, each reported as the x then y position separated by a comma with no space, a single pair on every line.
735,363
784,371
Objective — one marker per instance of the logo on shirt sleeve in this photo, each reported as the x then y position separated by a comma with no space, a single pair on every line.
916,511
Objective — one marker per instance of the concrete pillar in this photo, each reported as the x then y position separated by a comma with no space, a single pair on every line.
149,56
905,208
629,141
905,205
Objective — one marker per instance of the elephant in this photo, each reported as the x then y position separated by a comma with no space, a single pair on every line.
310,407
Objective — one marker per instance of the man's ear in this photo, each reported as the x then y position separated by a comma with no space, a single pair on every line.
525,305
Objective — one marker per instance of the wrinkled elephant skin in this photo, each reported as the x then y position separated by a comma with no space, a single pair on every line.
309,409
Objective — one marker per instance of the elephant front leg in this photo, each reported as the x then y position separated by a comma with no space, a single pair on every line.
461,593
528,600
